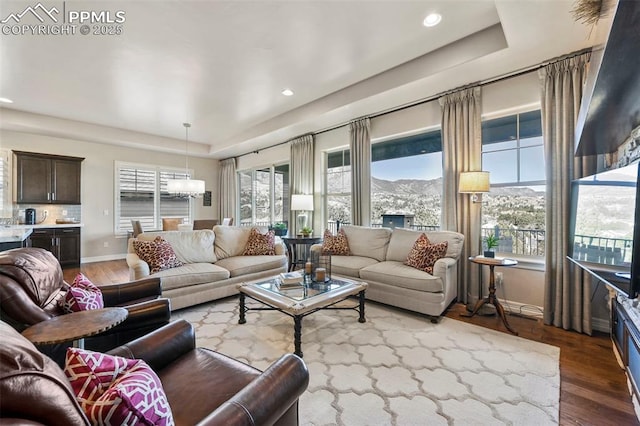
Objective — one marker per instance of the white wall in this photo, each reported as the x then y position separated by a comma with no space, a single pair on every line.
98,183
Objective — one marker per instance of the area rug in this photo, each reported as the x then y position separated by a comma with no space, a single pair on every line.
397,368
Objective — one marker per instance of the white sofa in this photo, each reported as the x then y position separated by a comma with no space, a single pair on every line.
378,256
213,264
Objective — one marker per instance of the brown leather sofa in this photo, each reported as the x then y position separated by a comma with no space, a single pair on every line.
31,284
203,387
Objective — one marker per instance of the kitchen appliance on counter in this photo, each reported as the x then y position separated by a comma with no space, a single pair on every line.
30,216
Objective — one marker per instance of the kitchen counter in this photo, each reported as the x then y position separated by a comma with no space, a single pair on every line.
15,234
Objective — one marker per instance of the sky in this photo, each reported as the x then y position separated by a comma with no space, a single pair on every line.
426,167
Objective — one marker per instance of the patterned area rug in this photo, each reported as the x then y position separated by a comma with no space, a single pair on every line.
397,368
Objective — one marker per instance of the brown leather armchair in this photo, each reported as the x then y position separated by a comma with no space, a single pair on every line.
203,387
31,284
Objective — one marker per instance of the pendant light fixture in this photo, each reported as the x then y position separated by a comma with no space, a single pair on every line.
186,187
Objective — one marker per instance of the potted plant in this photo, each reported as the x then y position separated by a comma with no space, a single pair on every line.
492,242
280,229
306,231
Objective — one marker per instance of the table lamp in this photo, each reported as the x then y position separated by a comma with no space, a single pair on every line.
302,203
474,183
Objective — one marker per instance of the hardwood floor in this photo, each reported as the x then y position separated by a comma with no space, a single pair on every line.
593,388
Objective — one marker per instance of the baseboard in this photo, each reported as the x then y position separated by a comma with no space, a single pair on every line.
103,258
600,324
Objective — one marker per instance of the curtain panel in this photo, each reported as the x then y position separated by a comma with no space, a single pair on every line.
360,147
462,151
301,174
227,189
567,301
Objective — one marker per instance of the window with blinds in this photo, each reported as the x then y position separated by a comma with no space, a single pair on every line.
141,194
6,210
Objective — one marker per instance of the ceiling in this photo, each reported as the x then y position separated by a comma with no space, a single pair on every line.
222,65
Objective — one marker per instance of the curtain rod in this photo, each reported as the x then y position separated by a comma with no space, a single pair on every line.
432,98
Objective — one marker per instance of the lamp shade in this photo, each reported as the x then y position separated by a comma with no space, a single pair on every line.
185,186
301,202
474,182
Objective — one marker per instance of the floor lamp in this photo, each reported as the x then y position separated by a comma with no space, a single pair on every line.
475,183
302,203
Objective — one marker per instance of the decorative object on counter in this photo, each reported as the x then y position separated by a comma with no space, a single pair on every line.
67,221
320,267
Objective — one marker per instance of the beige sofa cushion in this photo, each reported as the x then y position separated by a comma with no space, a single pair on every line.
243,265
350,265
402,241
189,246
230,240
400,275
368,242
191,274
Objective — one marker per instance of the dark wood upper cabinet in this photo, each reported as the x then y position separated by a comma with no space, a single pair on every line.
47,179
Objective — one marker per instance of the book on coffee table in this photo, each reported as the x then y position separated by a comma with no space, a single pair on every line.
291,278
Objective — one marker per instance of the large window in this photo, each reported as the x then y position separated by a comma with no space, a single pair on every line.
141,194
264,195
406,178
514,209
338,184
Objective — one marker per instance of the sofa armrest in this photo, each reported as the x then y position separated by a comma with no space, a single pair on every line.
125,293
442,266
267,398
138,268
162,346
280,246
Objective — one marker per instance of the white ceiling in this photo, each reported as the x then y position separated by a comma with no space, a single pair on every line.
221,65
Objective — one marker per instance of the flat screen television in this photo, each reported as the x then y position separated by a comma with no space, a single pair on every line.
606,228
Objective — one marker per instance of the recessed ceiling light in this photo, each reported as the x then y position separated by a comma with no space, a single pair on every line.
287,92
6,100
432,20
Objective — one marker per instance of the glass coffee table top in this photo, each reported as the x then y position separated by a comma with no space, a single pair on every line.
302,292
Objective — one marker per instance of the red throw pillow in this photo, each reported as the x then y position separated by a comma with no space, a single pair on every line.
158,254
260,244
82,295
335,244
112,390
423,254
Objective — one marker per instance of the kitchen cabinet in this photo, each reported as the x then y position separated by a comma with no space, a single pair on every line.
47,179
64,243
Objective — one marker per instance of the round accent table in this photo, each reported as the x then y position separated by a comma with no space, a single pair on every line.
491,298
75,326
293,242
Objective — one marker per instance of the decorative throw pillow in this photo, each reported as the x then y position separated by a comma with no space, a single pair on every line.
112,390
82,295
335,244
260,244
423,254
158,254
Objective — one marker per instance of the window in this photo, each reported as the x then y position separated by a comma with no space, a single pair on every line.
406,178
264,195
6,210
141,194
338,184
514,209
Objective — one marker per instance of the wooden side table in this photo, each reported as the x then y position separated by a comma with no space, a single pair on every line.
491,298
75,326
293,242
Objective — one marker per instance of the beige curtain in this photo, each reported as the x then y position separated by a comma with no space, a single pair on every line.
301,175
360,151
227,189
567,301
462,151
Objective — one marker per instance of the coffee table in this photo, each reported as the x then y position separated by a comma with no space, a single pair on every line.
301,300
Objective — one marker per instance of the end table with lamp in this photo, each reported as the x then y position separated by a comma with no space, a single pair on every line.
491,298
293,242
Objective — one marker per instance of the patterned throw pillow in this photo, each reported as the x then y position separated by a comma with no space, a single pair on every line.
82,295
112,390
158,254
260,244
335,244
423,254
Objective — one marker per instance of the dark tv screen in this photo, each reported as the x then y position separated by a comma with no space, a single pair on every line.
605,212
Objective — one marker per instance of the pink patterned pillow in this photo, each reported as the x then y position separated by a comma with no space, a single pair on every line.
158,254
423,254
337,245
260,244
82,295
116,391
